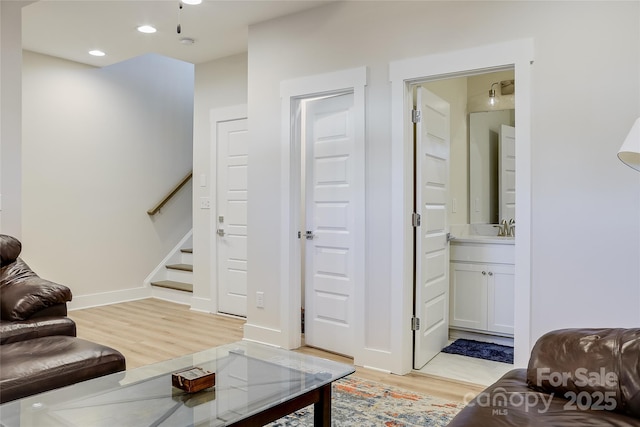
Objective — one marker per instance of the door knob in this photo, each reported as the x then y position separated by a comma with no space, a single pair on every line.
309,235
221,232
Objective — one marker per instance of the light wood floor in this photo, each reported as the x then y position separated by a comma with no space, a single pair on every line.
152,330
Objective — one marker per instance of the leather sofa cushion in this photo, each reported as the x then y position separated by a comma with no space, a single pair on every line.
14,331
10,249
510,402
42,364
23,293
601,363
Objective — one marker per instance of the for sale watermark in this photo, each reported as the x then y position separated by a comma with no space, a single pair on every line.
500,400
581,377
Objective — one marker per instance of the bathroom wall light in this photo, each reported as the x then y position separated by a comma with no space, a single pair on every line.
630,151
492,94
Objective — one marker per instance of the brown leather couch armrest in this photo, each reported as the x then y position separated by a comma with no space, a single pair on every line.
24,293
14,331
595,362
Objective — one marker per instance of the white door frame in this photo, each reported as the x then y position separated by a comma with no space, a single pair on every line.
402,74
291,91
217,115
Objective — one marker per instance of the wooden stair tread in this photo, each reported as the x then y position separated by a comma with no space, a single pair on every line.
172,284
187,250
183,267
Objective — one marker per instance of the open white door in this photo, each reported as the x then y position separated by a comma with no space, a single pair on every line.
231,219
431,243
507,180
330,221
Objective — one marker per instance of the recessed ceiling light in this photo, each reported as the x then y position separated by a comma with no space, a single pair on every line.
97,53
191,2
147,29
187,40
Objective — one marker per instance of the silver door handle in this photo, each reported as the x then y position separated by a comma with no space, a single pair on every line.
221,232
309,235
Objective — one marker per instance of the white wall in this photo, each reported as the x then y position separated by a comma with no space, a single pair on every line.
586,204
10,113
100,148
219,83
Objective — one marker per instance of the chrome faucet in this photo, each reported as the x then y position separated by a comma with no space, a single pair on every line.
511,231
503,228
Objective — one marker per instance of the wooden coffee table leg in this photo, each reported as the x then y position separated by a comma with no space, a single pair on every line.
322,408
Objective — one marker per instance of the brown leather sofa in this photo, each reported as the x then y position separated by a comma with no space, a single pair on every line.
575,377
39,350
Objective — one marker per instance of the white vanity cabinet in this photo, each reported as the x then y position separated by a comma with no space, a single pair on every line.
482,286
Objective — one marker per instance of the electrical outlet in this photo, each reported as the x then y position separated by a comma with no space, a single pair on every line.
205,203
260,299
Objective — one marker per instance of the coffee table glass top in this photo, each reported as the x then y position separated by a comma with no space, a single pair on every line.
250,378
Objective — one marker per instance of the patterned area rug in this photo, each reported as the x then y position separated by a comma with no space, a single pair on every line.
363,403
481,350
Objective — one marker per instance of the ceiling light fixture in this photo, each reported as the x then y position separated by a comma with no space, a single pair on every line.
180,4
97,53
147,29
187,41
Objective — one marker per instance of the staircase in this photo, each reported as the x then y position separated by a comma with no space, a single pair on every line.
178,274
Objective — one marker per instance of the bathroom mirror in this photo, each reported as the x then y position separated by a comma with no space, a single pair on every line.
491,166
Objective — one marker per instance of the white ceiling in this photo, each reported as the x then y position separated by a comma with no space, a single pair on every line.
70,28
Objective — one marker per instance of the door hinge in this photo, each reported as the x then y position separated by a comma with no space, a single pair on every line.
415,323
415,219
299,234
416,115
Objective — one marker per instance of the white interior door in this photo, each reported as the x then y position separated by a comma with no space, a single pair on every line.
329,236
432,246
231,219
507,180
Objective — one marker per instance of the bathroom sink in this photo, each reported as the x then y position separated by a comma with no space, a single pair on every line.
475,238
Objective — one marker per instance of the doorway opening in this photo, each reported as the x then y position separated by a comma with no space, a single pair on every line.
323,215
518,55
327,220
463,272
228,222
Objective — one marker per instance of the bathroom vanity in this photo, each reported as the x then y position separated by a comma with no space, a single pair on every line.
482,278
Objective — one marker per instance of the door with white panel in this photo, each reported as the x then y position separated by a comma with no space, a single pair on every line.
329,238
507,180
231,218
431,243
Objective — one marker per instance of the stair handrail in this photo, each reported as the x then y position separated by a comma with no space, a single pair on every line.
170,194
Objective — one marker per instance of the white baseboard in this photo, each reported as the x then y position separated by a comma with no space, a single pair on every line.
134,294
263,335
204,305
107,298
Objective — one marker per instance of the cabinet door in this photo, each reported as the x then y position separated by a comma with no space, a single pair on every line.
501,282
468,301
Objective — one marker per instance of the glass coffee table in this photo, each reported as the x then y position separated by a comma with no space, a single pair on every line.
254,385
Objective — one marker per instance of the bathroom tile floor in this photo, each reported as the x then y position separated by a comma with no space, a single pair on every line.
463,368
